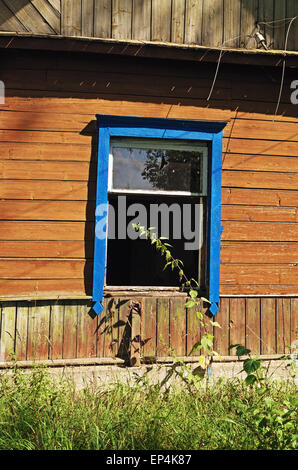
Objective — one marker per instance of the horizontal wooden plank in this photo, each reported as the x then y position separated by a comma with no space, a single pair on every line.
76,81
259,197
259,213
274,274
260,231
82,210
75,231
45,137
46,210
237,128
255,252
260,179
40,151
260,147
48,289
241,252
45,269
242,128
46,249
80,191
31,120
55,190
260,163
36,170
184,108
248,90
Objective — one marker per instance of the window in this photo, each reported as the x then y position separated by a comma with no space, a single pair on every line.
165,174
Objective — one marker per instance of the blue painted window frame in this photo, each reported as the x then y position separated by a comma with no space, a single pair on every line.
110,126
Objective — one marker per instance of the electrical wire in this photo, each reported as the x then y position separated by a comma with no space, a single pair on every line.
284,66
218,63
252,36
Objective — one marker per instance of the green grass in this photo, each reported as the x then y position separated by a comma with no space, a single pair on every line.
36,413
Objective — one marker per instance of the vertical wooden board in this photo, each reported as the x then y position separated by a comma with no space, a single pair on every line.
86,331
268,326
71,18
221,335
232,13
21,331
56,330
110,328
121,19
70,330
38,331
178,326
212,30
193,330
124,329
266,15
279,26
7,340
292,11
100,331
178,17
163,327
141,20
87,17
193,22
148,327
102,18
294,320
237,322
161,20
283,325
249,15
50,14
135,349
253,324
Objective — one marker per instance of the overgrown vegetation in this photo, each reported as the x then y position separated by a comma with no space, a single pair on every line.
192,414
36,413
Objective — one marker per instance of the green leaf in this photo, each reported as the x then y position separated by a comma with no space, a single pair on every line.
205,300
234,346
250,379
193,294
200,316
251,365
190,303
242,351
215,323
195,347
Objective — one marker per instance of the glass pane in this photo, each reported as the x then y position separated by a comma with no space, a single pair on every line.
157,169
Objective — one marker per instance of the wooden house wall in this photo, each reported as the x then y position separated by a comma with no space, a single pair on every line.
48,152
203,22
160,328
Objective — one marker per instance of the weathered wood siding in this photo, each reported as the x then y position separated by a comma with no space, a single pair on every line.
48,154
159,328
203,22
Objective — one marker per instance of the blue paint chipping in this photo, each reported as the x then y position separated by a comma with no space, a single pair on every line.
155,128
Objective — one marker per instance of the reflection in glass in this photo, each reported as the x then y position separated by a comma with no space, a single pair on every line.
157,169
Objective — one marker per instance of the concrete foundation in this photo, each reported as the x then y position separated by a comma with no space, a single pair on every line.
87,372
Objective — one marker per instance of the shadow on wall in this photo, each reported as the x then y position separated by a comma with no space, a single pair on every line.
90,84
209,22
30,16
